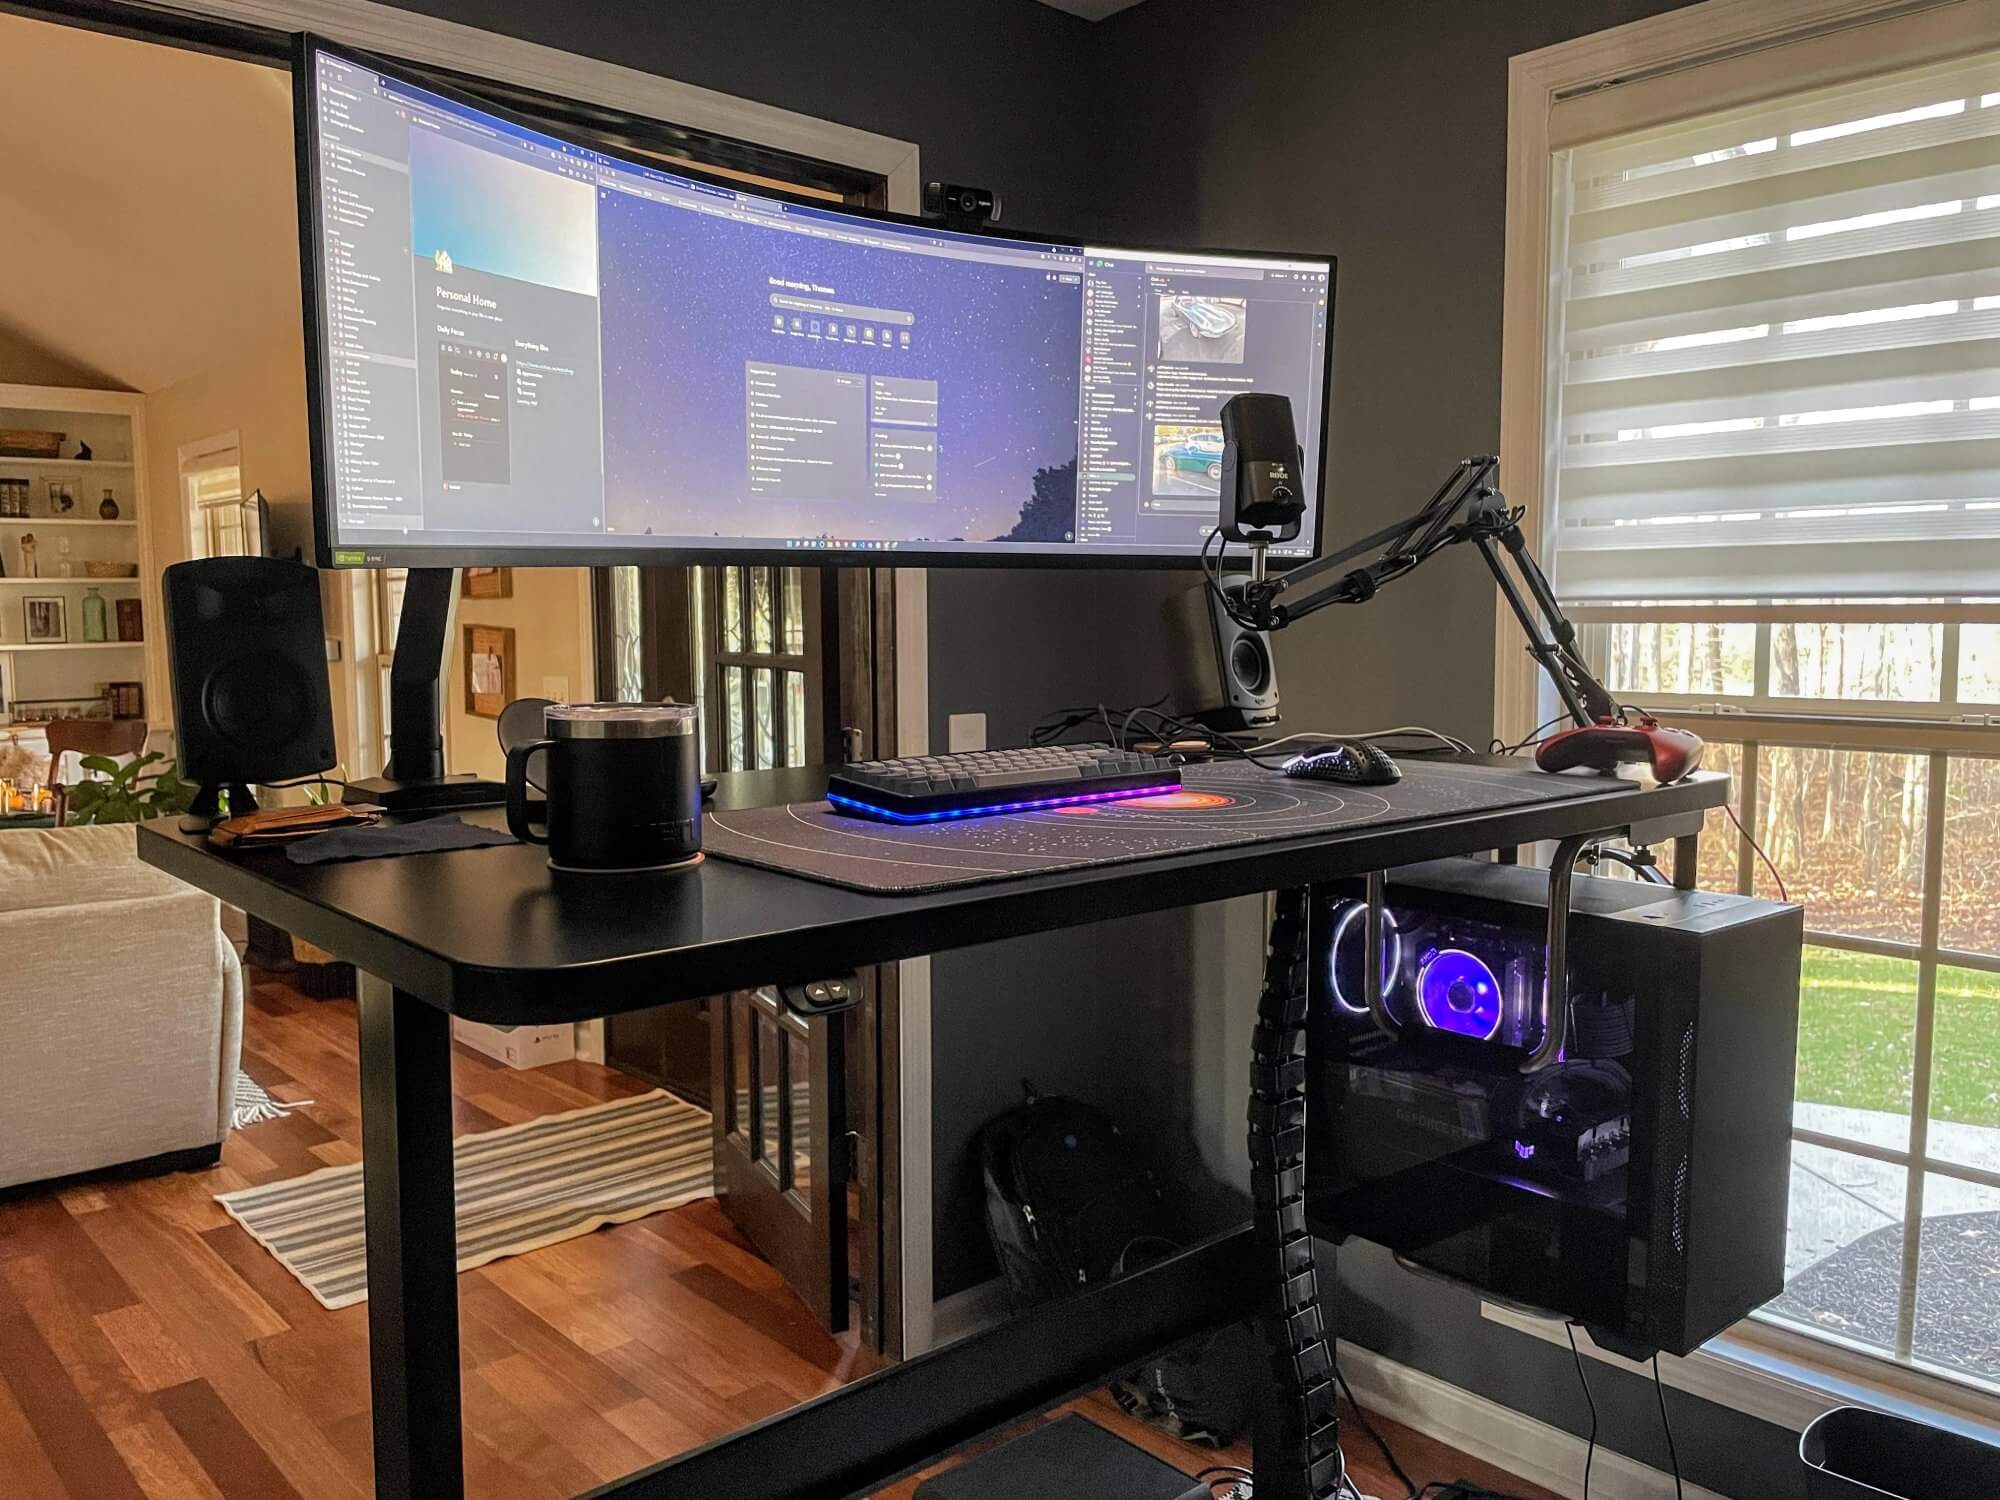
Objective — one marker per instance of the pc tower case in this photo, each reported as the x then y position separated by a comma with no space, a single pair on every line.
1638,1185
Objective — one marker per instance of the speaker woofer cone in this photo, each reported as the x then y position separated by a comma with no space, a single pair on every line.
257,701
1250,664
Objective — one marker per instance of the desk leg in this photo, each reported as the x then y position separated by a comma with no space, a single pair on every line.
1687,861
412,1245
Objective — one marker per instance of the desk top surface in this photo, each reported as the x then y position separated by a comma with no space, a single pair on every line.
493,935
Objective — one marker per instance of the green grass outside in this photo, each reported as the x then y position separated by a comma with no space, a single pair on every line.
1857,1030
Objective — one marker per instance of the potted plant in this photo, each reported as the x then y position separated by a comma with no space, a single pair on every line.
127,793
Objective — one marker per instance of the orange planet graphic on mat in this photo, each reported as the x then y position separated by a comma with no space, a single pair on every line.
1183,801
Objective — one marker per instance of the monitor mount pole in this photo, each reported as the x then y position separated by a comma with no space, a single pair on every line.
414,780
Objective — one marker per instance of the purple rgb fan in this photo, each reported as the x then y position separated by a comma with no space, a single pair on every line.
1354,961
1457,992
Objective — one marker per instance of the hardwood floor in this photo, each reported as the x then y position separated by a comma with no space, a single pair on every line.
149,1348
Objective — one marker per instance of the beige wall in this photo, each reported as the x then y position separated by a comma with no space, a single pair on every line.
260,396
25,362
551,618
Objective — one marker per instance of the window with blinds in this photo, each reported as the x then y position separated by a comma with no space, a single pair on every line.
1773,452
1777,350
212,481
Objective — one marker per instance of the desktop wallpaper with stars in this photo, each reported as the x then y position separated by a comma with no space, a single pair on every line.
686,302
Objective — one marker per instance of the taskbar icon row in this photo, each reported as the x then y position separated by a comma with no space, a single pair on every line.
838,544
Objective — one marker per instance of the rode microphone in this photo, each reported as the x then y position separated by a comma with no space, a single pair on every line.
1263,475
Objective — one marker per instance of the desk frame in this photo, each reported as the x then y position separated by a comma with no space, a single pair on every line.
866,1434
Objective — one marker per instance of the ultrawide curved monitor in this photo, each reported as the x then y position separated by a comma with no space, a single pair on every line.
525,349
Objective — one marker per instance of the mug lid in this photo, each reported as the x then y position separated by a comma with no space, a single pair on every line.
608,721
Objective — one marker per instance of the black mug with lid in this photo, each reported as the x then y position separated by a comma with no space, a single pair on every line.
622,782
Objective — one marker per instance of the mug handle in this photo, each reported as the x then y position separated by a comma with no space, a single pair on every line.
519,819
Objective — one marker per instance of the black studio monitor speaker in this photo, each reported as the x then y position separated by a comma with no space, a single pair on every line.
1223,674
246,651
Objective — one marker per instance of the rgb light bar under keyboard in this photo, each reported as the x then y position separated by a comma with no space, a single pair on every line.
981,783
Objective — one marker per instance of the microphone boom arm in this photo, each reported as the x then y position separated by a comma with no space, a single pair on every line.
1467,507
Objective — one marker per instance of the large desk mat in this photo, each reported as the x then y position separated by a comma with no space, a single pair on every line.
1219,805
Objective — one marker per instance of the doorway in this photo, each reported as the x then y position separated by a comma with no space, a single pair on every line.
792,667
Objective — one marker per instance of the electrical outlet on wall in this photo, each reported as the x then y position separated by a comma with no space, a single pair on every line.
965,732
556,689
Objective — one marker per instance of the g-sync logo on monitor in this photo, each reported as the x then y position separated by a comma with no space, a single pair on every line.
350,559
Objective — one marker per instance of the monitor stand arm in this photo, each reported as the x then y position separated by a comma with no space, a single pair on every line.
414,781
1467,507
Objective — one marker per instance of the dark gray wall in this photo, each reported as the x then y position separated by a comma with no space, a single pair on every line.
1117,1014
1017,645
1377,133
991,90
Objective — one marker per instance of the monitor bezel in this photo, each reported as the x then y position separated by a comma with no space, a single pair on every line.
402,554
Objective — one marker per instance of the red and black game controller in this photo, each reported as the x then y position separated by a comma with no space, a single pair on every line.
1672,753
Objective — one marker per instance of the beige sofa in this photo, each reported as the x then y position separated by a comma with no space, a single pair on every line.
121,1010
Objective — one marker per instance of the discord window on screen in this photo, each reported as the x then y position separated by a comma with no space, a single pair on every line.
529,343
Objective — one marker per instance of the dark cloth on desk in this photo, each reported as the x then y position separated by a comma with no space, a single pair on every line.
426,837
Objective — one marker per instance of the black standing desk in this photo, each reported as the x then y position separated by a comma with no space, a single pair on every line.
488,935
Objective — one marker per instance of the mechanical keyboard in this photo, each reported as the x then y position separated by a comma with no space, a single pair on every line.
972,783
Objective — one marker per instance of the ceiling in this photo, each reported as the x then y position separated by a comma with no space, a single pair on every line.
147,222
1092,10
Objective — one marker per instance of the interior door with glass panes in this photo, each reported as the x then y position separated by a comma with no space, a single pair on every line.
772,656
761,670
781,1144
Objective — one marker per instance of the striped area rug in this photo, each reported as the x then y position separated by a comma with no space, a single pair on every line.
519,1188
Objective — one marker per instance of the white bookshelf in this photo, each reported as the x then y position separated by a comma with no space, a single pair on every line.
51,646
65,465
49,523
74,670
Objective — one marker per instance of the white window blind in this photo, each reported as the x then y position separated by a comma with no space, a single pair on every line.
1778,350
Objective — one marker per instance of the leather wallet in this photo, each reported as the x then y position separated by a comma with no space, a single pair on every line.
282,825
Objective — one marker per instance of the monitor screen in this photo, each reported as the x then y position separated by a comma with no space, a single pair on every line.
527,349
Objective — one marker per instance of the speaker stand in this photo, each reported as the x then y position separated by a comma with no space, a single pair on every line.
206,808
414,781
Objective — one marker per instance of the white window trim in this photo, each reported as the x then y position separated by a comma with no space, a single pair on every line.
1612,82
1784,1378
190,458
567,75
1628,78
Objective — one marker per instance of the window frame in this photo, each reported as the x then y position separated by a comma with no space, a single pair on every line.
209,455
1701,59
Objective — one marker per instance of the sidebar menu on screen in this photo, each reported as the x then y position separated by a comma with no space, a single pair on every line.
370,371
1107,478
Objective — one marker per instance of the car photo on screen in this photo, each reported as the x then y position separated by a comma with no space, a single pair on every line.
1187,460
1202,330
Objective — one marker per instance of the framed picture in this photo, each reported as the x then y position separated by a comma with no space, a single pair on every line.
486,583
47,620
131,620
62,497
489,669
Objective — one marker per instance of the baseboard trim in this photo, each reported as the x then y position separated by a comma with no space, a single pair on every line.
1524,1447
1475,1425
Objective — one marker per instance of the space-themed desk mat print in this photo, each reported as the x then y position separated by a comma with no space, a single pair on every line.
1218,805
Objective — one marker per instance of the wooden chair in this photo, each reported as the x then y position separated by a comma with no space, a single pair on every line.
90,737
